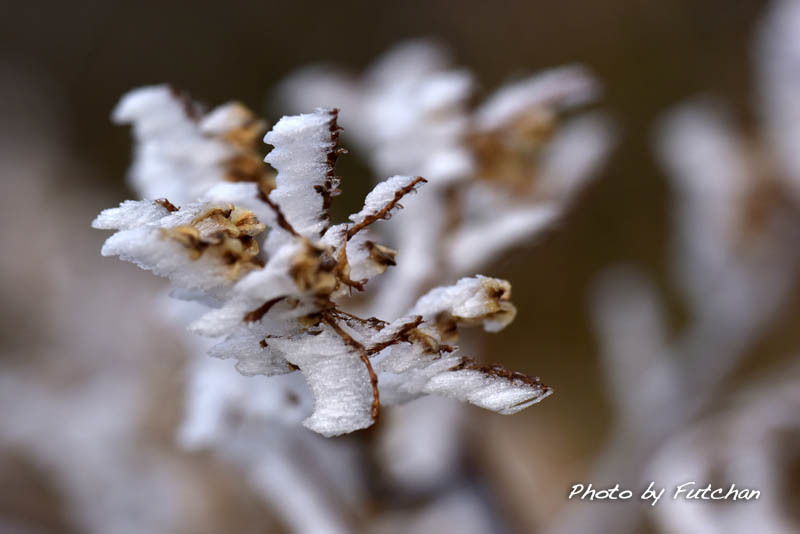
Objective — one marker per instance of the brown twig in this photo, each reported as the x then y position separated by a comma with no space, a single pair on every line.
331,186
362,353
384,211
400,335
281,218
164,203
499,371
191,109
261,311
371,322
343,270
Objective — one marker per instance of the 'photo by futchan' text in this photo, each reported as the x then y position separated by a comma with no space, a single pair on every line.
690,491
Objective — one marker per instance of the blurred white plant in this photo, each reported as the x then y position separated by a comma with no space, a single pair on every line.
734,257
76,387
754,442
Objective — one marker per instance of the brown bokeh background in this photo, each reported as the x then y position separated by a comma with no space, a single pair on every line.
649,54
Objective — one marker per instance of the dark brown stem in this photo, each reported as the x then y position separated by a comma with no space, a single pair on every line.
342,267
499,371
372,322
256,315
384,211
281,218
362,353
164,203
400,335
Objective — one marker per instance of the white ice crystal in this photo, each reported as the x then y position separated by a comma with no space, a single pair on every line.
276,272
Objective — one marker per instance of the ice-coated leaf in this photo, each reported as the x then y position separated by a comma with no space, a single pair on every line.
253,353
490,387
252,297
338,379
173,159
132,214
304,154
202,246
476,243
407,374
555,89
179,152
154,111
384,198
367,258
477,300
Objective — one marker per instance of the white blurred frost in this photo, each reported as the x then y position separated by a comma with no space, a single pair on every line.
174,158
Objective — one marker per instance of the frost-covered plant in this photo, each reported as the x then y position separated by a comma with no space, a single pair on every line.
184,155
276,274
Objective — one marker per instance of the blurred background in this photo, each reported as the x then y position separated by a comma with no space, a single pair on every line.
67,314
